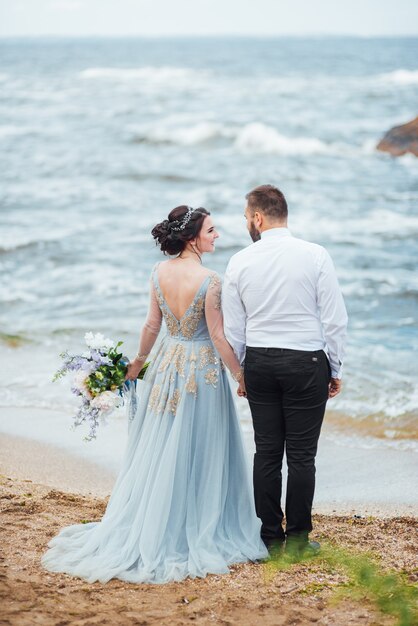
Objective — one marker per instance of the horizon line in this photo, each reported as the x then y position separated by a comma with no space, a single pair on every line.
206,35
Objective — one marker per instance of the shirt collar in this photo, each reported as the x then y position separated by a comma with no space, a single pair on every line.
276,232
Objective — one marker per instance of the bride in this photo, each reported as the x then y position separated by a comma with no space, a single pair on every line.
182,504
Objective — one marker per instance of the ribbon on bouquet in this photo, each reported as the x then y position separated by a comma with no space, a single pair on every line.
128,393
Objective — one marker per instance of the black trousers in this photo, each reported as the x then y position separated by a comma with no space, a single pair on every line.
287,391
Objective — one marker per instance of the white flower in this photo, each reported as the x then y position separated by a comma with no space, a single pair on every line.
98,341
79,382
88,338
108,343
106,401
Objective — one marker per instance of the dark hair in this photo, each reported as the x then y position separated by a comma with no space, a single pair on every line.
268,200
173,241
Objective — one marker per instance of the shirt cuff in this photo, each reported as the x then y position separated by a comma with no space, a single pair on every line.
240,353
337,372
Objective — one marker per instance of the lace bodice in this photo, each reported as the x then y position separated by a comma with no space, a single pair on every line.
201,321
192,325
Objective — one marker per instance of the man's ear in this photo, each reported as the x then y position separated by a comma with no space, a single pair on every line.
258,219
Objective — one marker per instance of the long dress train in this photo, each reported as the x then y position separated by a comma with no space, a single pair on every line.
182,504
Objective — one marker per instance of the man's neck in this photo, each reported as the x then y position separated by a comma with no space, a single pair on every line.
275,225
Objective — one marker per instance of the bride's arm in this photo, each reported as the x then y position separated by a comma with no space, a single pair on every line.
148,336
214,320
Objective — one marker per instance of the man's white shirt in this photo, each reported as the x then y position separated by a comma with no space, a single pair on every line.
283,292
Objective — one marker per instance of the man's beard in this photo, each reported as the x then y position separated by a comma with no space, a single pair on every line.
254,234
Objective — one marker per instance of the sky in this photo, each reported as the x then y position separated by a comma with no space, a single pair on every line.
208,17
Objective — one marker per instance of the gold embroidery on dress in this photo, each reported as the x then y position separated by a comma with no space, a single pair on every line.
167,358
162,405
191,384
216,283
153,399
179,359
176,356
171,323
170,320
173,402
207,356
211,377
189,322
159,297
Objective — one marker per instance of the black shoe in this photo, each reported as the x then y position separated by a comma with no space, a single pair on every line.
313,547
296,547
274,546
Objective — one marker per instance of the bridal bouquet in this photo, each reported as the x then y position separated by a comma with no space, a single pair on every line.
99,379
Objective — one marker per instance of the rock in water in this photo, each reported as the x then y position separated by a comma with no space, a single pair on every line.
401,139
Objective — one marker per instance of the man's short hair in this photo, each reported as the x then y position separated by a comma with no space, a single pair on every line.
268,200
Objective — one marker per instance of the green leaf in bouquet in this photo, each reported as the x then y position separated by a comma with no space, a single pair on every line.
143,370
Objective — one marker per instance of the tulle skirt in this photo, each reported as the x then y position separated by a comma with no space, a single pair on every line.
182,504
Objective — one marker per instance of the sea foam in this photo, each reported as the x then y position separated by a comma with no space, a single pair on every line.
258,137
163,74
400,77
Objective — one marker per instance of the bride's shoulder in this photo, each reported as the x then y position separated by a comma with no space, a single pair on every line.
157,266
215,281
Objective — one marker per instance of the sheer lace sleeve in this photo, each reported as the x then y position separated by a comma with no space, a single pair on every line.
214,320
151,327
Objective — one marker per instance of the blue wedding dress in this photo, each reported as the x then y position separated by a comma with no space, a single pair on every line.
182,504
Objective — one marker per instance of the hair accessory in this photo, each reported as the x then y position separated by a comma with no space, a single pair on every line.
181,224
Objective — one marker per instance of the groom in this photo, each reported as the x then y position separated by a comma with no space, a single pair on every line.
284,313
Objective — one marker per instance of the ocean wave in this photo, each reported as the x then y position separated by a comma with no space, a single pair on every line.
10,295
377,226
10,130
163,177
408,160
355,436
257,137
253,137
185,136
150,74
400,77
19,243
26,234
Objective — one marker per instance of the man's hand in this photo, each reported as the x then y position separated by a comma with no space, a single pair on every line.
334,387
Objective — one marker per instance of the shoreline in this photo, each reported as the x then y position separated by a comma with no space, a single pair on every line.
26,459
350,480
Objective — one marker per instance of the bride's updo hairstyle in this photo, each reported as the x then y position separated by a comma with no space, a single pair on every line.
182,225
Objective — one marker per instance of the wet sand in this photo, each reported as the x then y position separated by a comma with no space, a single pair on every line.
350,478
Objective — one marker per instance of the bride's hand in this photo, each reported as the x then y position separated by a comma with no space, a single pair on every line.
241,391
134,367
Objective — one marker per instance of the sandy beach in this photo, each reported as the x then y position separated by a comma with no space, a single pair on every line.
44,488
32,513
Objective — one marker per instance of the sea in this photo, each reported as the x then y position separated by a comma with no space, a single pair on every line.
100,138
